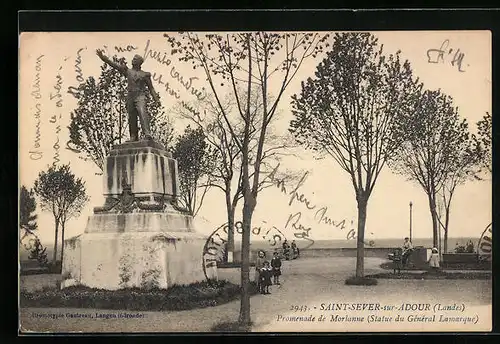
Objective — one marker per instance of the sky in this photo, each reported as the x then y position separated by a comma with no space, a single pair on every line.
50,63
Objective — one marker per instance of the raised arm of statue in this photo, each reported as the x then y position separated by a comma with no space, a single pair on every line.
121,68
155,95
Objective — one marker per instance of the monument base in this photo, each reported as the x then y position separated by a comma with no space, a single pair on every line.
140,237
133,259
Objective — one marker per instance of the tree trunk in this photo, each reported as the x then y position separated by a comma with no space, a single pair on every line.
360,252
432,207
446,223
54,259
63,225
250,200
230,228
248,208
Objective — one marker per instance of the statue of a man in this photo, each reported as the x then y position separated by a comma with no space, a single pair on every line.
137,80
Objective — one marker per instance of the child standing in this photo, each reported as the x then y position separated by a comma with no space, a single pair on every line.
286,250
276,268
265,278
434,260
396,259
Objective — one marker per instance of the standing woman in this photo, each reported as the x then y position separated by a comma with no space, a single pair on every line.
259,264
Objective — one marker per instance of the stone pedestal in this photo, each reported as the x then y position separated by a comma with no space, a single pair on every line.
139,237
145,166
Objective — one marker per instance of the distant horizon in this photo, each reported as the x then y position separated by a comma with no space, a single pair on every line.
319,244
296,239
384,242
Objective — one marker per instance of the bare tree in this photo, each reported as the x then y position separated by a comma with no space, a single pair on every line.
469,157
464,165
436,152
227,171
348,111
247,60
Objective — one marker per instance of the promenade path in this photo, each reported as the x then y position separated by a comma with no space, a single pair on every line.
306,281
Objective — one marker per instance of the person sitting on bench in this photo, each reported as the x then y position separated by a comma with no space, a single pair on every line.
407,250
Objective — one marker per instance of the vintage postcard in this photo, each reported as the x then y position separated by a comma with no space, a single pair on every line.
255,181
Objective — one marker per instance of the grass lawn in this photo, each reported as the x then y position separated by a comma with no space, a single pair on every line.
175,298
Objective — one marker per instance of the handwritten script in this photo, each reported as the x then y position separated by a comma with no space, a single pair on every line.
294,219
56,98
446,54
36,94
185,81
75,91
320,213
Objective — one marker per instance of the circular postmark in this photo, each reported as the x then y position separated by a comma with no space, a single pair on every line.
215,248
484,246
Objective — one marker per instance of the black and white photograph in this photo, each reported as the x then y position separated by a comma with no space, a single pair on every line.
255,181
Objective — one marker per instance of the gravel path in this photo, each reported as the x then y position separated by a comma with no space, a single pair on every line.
307,281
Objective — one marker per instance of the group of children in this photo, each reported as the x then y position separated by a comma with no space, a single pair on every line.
264,270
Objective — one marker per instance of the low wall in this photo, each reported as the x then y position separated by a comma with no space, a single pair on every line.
454,258
379,252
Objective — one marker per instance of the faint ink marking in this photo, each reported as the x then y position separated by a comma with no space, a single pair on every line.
76,91
128,48
193,111
56,145
215,246
443,53
302,232
159,79
275,235
56,97
36,89
351,235
36,93
320,215
186,82
70,148
301,198
159,57
484,246
322,218
78,68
